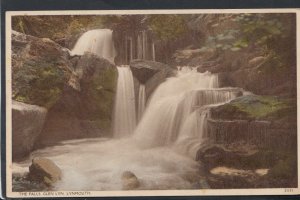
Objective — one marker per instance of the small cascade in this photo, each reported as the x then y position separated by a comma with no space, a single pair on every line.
128,49
98,42
153,51
174,101
139,45
141,101
124,114
193,130
142,46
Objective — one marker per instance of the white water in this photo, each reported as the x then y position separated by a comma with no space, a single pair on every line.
97,164
98,41
141,101
169,106
124,113
161,150
178,111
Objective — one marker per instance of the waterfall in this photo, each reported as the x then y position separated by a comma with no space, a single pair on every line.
140,48
98,41
124,114
162,148
141,101
138,45
153,51
171,114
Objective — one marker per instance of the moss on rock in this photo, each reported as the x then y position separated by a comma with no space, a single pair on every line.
100,92
39,83
255,107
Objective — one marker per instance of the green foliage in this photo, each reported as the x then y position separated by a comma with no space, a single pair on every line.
38,83
273,34
167,27
56,27
225,40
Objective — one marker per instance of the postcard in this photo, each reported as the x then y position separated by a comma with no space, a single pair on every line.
152,102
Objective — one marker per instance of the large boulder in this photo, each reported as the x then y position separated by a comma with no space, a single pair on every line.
237,155
149,73
143,70
130,181
45,171
242,165
40,69
87,110
267,121
27,124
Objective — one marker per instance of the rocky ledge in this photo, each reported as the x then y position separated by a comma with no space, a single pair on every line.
251,143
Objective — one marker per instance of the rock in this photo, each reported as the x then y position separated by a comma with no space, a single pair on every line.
22,183
44,170
240,155
149,73
129,181
143,70
40,69
87,110
27,124
236,180
252,107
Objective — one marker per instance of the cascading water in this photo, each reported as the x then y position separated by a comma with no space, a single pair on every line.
174,120
124,114
98,41
141,101
172,103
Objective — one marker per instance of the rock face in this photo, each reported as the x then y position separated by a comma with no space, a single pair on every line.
129,181
44,170
27,123
87,110
40,69
251,133
237,154
240,164
267,121
78,91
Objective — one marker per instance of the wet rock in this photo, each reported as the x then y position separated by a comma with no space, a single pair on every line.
21,183
27,124
238,155
149,73
143,70
87,110
40,69
129,181
44,170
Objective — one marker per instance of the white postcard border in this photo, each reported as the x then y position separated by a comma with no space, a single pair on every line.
200,192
